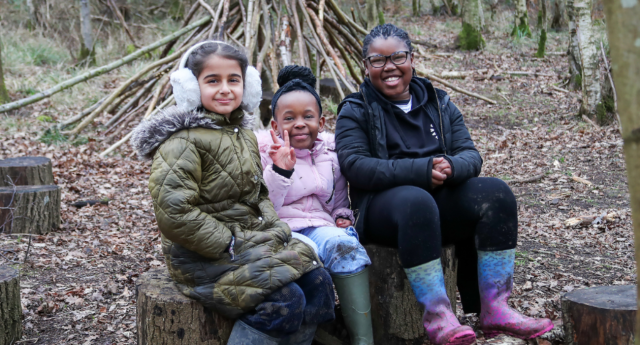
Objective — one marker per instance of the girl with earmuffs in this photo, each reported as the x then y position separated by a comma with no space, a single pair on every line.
223,242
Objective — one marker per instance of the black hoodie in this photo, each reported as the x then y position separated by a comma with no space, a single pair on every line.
411,134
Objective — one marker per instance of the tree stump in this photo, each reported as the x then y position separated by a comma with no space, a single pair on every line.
29,209
395,312
10,307
166,316
23,171
602,315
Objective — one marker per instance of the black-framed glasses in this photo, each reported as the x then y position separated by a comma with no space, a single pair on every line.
397,58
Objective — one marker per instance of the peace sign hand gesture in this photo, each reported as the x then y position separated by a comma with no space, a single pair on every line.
282,156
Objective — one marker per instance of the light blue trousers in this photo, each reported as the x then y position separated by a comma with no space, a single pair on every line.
339,249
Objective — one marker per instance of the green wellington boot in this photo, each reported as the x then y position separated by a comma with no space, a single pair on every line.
353,292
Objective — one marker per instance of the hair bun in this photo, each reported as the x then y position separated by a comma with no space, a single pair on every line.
291,72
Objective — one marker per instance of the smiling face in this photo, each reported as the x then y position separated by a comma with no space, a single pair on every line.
297,112
221,85
391,80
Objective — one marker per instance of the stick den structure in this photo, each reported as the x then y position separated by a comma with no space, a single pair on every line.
274,33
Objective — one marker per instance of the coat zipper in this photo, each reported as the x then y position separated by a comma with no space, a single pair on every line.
333,191
441,129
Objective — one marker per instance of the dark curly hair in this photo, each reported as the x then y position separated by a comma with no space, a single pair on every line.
385,31
199,56
295,78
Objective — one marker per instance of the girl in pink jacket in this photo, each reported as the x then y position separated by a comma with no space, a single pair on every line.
308,192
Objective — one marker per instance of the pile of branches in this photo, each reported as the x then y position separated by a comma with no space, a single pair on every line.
274,34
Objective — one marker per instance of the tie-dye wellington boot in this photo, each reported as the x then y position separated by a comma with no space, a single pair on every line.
441,324
495,277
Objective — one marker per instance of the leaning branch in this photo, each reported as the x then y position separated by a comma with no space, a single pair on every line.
455,88
101,70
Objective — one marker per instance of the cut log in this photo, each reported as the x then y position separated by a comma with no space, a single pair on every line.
11,309
395,312
23,171
602,315
166,316
29,209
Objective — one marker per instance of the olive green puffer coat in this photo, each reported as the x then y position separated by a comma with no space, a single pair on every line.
223,243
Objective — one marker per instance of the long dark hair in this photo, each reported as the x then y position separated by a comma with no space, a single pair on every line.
385,31
199,56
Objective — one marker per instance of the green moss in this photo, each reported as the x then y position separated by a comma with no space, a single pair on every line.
522,29
577,82
380,17
603,109
87,54
470,38
542,44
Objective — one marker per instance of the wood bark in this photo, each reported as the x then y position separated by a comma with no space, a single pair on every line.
573,52
558,14
23,171
10,307
371,14
587,42
86,44
29,209
602,315
623,30
521,25
395,312
472,25
33,22
4,95
542,21
166,316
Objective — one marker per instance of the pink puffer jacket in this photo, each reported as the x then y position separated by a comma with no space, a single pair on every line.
316,194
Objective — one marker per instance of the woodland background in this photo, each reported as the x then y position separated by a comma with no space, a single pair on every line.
550,134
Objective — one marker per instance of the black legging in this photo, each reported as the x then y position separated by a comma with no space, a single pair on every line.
479,214
481,210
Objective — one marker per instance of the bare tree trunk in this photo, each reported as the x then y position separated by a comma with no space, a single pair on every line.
86,46
623,32
4,95
521,26
493,4
542,20
33,15
591,91
559,16
371,14
415,4
472,25
573,52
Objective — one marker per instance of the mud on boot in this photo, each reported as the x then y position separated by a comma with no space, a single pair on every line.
441,324
495,278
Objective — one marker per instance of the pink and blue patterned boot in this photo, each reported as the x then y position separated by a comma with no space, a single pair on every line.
495,276
442,326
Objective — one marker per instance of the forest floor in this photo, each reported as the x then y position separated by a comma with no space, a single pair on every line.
78,283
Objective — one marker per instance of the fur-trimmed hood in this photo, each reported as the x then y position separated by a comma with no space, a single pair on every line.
151,133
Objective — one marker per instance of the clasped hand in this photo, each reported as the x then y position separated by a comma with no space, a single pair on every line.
441,171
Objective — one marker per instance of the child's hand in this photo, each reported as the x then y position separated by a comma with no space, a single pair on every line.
343,223
282,156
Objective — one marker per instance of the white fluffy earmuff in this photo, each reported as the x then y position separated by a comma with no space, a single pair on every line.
186,89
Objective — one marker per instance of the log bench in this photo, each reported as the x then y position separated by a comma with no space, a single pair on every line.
29,199
165,316
11,310
603,315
